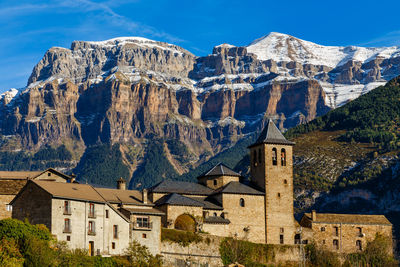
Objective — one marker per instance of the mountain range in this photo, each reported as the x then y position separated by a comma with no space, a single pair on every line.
150,110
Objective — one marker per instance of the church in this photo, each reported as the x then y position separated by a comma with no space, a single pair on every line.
260,210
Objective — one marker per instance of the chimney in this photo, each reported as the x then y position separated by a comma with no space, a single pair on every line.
313,215
121,184
73,177
144,196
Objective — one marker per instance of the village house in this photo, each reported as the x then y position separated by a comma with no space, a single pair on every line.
103,221
260,210
11,182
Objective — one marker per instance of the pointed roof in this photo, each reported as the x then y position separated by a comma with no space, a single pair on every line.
180,187
178,200
219,170
271,135
237,188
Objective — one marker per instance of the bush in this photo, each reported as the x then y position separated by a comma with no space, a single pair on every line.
139,255
9,254
183,238
319,257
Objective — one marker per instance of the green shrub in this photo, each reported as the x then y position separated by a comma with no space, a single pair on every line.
183,238
319,257
10,255
139,255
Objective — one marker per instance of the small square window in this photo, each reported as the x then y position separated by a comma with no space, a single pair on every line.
49,174
113,245
68,238
144,235
106,213
322,229
279,194
282,230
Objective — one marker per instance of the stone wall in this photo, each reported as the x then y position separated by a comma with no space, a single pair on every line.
151,238
173,212
218,181
207,251
5,212
347,235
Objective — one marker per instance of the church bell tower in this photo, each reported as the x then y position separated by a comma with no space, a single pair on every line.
271,159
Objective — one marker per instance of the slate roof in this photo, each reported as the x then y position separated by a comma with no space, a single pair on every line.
11,187
217,220
187,188
122,196
219,170
349,218
208,203
178,200
271,135
149,211
19,175
238,188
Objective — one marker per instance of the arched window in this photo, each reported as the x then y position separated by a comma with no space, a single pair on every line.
274,156
255,158
283,157
259,155
215,214
285,181
241,202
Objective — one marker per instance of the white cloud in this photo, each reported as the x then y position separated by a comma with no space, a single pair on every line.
388,39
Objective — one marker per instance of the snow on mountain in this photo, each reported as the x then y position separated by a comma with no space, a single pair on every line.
282,47
9,95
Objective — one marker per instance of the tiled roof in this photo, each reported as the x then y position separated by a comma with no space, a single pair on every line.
121,196
11,187
208,203
216,219
149,211
219,170
178,200
70,191
271,135
187,188
238,188
349,218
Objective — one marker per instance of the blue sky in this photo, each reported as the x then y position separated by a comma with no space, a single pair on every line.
29,28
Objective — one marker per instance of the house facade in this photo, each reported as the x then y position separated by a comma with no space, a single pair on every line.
86,217
11,182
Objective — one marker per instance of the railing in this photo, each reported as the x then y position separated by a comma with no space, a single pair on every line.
92,214
143,225
67,230
91,232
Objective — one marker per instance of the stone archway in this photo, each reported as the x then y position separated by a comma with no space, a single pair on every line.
185,222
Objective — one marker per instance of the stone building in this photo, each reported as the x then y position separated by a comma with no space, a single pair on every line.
11,182
344,233
261,209
103,221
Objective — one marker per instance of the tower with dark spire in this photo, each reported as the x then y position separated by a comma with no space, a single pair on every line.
272,171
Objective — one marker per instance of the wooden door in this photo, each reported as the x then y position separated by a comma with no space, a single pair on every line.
91,248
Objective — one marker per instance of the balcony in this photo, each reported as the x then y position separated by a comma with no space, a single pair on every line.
90,232
67,230
142,225
92,215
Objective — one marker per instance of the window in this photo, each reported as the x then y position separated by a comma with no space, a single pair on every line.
91,211
274,156
255,158
281,239
215,182
8,207
285,181
49,174
336,231
322,229
143,222
241,202
283,157
359,232
144,236
113,245
282,230
323,242
359,244
259,155
336,244
107,214
68,238
115,231
215,214
92,229
67,207
279,194
67,226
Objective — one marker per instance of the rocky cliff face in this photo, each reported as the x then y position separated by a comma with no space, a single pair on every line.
130,90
